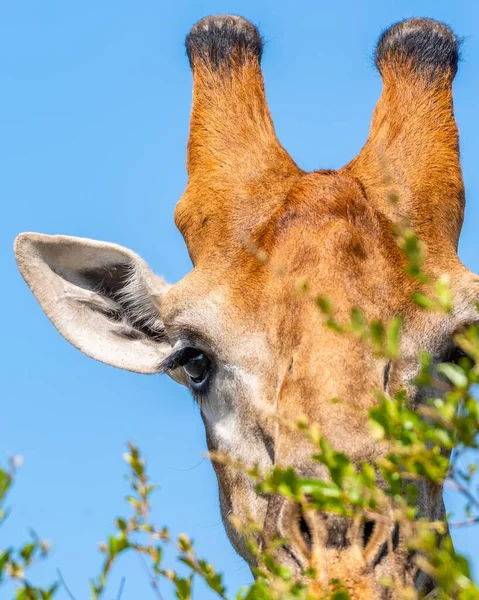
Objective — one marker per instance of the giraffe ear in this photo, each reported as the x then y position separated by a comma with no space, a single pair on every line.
101,297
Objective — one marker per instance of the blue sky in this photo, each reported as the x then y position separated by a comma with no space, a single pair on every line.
95,104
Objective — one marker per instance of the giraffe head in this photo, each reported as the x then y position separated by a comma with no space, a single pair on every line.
255,352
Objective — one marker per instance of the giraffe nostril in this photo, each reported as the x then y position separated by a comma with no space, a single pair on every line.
368,531
306,532
379,540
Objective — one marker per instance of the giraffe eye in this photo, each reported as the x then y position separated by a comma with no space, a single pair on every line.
456,355
197,366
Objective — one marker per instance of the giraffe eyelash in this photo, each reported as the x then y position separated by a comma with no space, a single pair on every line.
178,358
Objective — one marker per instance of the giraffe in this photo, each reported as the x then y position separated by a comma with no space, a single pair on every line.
255,353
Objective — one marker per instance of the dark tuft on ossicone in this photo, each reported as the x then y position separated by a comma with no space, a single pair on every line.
221,40
426,45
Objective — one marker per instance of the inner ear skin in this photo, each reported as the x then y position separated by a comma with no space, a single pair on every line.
108,281
121,283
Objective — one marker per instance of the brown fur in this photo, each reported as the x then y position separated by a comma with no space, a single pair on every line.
245,194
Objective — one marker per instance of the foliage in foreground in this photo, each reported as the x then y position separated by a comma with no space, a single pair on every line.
14,562
418,440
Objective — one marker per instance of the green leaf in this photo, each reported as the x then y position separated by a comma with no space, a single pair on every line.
324,305
5,483
393,337
424,378
358,322
444,293
455,374
376,329
423,301
341,595
117,544
4,558
183,587
27,551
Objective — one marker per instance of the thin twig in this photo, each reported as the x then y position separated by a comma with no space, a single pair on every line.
120,591
151,579
472,521
64,584
454,483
